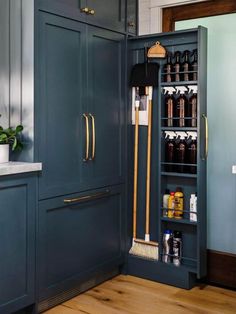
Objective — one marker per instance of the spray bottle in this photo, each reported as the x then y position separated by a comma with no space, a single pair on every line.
170,150
194,65
181,106
192,106
169,105
168,68
180,150
192,151
177,66
186,65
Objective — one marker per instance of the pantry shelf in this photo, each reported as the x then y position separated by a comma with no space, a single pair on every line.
184,129
178,174
180,221
163,84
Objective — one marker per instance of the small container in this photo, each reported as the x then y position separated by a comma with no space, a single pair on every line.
165,202
178,203
193,207
177,248
171,205
167,246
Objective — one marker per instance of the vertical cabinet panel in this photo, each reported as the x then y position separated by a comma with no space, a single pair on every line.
76,240
61,105
106,77
17,235
131,22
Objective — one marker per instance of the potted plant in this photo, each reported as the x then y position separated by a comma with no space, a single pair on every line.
9,137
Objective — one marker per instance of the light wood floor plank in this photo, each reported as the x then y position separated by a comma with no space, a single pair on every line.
131,295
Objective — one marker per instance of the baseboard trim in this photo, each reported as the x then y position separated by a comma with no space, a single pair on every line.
221,268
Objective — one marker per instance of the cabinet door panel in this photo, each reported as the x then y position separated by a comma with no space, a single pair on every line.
17,234
131,17
109,14
61,105
106,104
75,240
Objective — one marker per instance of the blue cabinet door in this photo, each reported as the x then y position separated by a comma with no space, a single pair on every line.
60,105
106,103
76,240
17,243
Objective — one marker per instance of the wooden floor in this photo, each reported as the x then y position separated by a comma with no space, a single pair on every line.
126,294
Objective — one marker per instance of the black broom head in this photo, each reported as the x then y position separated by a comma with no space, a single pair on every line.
144,74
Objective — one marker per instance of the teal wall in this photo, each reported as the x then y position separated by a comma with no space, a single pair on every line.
221,108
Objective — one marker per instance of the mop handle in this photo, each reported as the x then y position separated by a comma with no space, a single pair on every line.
135,171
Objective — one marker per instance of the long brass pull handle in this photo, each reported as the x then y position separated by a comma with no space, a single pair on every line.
84,10
93,136
87,137
206,136
87,197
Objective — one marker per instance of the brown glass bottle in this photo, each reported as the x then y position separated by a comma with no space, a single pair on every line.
168,68
192,111
181,105
192,155
170,153
180,152
194,65
186,66
177,66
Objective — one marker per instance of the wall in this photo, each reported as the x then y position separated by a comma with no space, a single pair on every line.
16,68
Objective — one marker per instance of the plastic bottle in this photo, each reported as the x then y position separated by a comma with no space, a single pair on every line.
186,65
167,246
181,106
171,205
194,65
192,106
170,151
177,247
179,203
193,207
177,66
168,68
191,154
180,149
169,105
165,202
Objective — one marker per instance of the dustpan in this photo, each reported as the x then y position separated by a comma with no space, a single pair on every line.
156,51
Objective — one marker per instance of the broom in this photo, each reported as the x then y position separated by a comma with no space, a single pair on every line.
143,75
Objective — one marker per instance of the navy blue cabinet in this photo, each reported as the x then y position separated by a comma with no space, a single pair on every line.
17,242
80,110
107,14
79,235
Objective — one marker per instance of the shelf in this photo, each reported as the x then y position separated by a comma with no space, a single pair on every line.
175,128
163,84
179,174
180,221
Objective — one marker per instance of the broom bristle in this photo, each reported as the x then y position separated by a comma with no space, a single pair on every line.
144,250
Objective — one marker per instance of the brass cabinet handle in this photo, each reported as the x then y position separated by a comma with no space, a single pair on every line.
87,197
93,137
91,12
84,10
86,137
206,136
131,24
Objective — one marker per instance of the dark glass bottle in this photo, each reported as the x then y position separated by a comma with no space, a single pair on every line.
181,105
192,111
194,65
186,65
177,66
168,68
170,151
180,151
192,152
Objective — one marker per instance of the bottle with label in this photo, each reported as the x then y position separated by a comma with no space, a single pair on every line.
169,105
181,105
165,202
177,248
171,205
191,154
186,65
177,66
192,106
193,207
168,68
167,246
179,203
170,150
194,65
180,149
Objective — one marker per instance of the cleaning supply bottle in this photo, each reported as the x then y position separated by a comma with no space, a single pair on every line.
191,155
169,105
177,245
194,65
193,207
170,150
168,68
171,205
179,203
192,106
181,106
177,66
167,246
180,151
186,65
165,203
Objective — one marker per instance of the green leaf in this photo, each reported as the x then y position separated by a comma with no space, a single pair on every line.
19,128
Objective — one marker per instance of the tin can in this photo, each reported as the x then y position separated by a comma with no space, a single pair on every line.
167,246
177,248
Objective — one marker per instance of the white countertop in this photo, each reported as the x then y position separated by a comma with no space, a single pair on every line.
14,167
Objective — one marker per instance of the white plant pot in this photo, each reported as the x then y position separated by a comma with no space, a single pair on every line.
4,153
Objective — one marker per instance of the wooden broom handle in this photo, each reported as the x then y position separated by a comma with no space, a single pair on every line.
149,143
135,172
